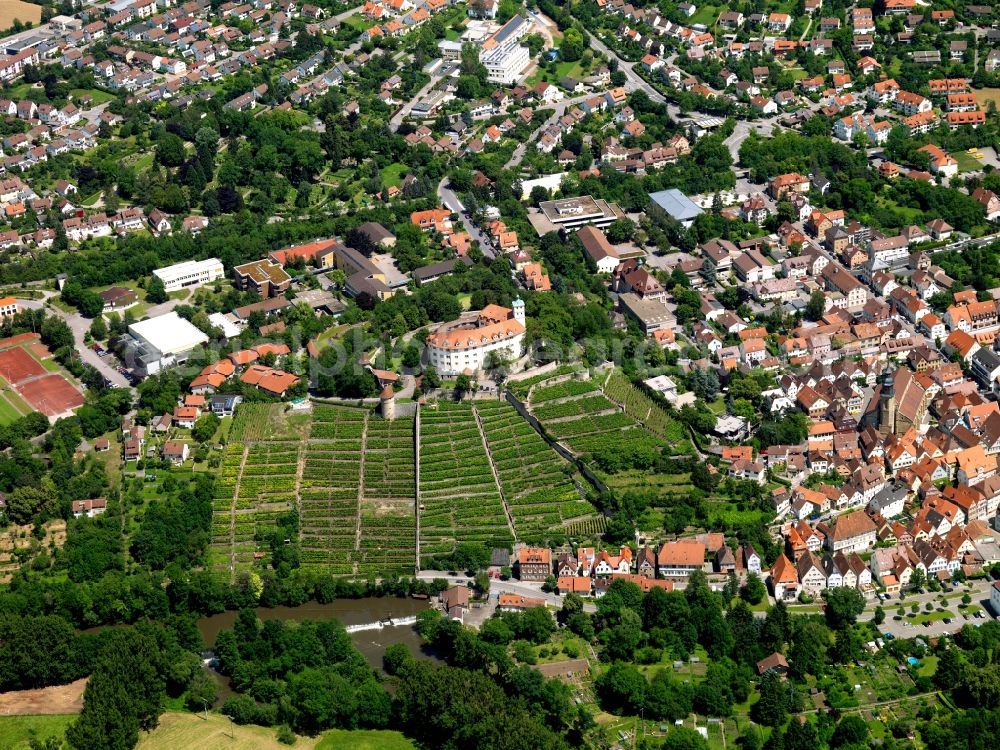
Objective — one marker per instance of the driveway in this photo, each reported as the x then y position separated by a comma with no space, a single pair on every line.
450,201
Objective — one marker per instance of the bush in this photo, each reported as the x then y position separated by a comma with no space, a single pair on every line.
285,735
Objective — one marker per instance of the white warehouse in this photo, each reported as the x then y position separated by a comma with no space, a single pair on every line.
190,273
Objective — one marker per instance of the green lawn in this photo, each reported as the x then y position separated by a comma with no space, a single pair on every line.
7,412
967,162
144,162
706,14
16,731
923,617
927,666
393,174
358,21
363,739
100,97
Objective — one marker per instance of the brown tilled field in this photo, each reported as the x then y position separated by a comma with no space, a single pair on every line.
60,699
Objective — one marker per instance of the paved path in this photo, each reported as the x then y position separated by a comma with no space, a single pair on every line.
450,201
560,108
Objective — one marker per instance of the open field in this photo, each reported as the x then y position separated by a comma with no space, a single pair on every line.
17,731
363,739
182,730
984,96
15,10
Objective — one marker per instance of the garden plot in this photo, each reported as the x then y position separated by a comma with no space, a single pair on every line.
328,492
537,484
459,497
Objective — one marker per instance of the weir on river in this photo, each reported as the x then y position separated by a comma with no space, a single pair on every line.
388,622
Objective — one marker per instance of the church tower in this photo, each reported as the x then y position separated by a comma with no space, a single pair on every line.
887,404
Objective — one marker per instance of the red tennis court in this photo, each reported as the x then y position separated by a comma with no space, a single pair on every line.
17,365
51,395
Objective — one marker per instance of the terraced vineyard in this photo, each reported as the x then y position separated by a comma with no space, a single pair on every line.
353,480
646,411
536,482
328,492
388,512
459,497
580,416
259,484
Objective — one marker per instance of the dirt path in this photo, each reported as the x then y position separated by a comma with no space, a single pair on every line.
361,493
232,515
59,699
496,474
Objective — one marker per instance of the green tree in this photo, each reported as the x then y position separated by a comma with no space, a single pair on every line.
753,590
572,46
801,735
99,329
851,731
772,707
205,427
155,291
807,655
622,689
816,306
683,738
843,605
124,694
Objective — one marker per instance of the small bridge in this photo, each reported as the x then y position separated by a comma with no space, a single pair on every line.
388,622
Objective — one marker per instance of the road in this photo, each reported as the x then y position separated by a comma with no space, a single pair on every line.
634,82
79,325
450,201
397,119
559,111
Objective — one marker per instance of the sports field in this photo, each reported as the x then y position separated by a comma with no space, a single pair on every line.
31,379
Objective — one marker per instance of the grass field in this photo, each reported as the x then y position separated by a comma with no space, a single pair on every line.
16,731
363,739
182,730
359,22
99,97
15,10
988,95
967,162
7,412
392,175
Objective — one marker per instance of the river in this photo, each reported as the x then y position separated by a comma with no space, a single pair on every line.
371,643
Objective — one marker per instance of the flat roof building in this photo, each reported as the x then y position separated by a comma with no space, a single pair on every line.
571,213
160,342
651,315
190,273
676,205
265,277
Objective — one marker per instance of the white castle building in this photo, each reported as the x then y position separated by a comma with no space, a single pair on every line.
463,344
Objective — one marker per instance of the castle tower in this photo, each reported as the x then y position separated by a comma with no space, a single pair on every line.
887,404
518,305
387,403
